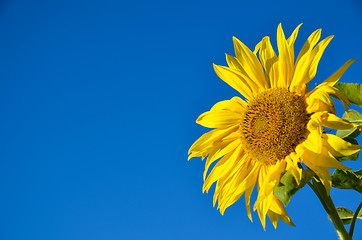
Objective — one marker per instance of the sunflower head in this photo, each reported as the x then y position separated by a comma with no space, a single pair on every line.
273,125
276,128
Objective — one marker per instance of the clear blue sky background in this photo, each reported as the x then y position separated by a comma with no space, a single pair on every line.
98,101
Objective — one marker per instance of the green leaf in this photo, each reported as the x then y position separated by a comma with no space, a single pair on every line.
345,179
346,215
355,117
288,185
353,91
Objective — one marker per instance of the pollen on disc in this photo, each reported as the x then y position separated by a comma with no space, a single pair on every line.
274,123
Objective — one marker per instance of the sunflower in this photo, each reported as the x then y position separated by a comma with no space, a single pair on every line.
278,126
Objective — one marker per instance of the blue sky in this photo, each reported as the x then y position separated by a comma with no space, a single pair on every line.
98,107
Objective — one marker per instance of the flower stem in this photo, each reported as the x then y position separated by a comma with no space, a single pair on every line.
331,210
351,229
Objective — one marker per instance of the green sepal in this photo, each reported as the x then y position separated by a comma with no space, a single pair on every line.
346,215
353,91
345,179
288,185
354,117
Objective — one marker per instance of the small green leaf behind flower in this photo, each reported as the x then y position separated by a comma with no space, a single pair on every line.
349,135
345,179
355,117
346,215
288,185
353,91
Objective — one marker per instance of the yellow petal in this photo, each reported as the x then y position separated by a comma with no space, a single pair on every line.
292,166
240,101
319,102
292,39
234,63
277,211
274,218
222,166
209,138
309,44
322,172
220,150
244,179
271,180
250,63
302,65
318,99
331,90
241,83
321,158
327,160
317,54
338,147
219,119
314,141
333,79
226,179
248,193
247,180
236,104
334,122
263,208
269,60
285,63
257,47
315,122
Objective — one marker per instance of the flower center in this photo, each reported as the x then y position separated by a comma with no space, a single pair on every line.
274,124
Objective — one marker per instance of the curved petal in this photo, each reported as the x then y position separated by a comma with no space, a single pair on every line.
319,101
316,56
248,193
277,211
338,147
219,150
257,47
333,79
228,176
286,61
309,44
334,122
250,63
315,123
263,208
234,63
208,139
236,104
292,166
302,65
219,119
237,80
313,142
320,164
244,179
292,39
322,172
233,152
271,180
315,102
269,60
331,90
